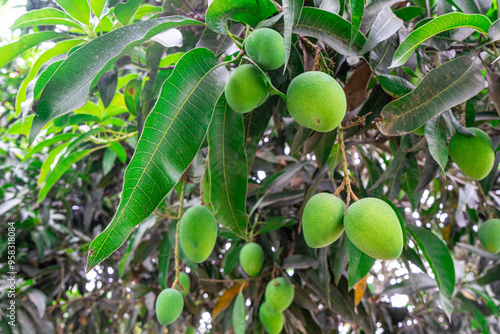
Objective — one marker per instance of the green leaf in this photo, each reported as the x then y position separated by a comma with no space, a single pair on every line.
239,313
44,77
79,10
372,11
10,51
173,134
334,158
61,96
58,49
119,151
48,142
291,14
228,168
435,133
61,168
441,23
124,12
108,160
107,87
45,17
442,88
357,9
359,263
330,28
394,85
338,258
132,95
409,13
437,256
386,25
494,31
165,253
46,166
246,11
98,7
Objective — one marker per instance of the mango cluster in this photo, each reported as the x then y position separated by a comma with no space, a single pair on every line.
279,296
370,223
197,236
314,99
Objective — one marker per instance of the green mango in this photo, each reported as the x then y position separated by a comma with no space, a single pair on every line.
169,305
198,233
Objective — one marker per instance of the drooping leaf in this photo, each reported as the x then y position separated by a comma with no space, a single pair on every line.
435,133
79,10
97,6
58,49
124,12
119,151
173,134
44,16
441,23
291,14
218,43
330,28
334,158
246,11
228,168
108,160
132,96
442,88
359,263
10,51
494,31
107,86
61,167
338,258
239,313
61,96
372,11
437,256
386,25
357,9
227,298
381,55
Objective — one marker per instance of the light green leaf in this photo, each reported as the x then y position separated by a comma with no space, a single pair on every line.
228,168
246,11
386,25
58,49
441,23
330,28
97,7
61,168
108,160
437,256
132,95
334,158
48,142
44,16
60,96
172,136
46,166
119,151
291,14
10,51
435,133
442,88
124,12
239,313
79,10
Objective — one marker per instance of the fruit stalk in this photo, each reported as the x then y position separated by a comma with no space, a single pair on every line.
347,178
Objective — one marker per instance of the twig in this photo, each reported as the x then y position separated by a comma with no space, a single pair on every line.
215,280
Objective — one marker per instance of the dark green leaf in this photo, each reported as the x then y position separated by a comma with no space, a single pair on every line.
330,28
119,151
173,134
135,240
437,256
394,85
442,88
334,158
165,252
435,133
359,263
381,56
411,255
492,275
246,11
107,87
300,138
372,11
429,173
386,25
228,168
338,258
239,314
436,26
60,96
409,13
357,8
44,78
275,223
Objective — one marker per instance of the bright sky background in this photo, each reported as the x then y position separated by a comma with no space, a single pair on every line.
8,14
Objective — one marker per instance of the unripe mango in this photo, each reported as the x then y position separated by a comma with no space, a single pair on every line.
252,258
169,305
322,220
246,88
185,283
373,226
316,101
473,155
198,233
266,47
279,294
271,320
489,235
